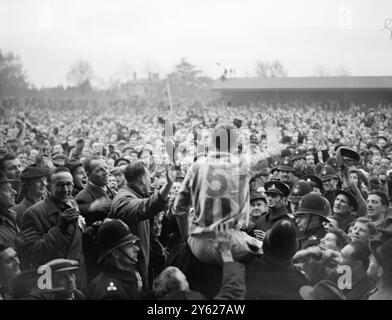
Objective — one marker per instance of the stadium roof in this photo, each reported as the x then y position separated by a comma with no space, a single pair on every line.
303,83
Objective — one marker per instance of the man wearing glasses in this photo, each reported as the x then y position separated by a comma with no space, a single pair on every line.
58,223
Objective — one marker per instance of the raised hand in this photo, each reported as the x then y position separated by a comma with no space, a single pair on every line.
170,174
101,204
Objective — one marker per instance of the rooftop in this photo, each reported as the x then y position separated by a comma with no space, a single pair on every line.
298,83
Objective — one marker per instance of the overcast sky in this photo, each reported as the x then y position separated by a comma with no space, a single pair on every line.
154,34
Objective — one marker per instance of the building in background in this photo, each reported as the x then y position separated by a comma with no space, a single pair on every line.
360,90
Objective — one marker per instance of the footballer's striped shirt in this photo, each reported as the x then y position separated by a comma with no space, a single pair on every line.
217,187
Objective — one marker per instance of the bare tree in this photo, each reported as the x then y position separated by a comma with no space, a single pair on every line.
342,71
13,77
80,73
151,67
266,69
125,72
322,71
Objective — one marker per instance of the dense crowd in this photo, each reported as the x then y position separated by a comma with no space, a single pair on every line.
202,200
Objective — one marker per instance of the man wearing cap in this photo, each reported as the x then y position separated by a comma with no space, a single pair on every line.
275,191
343,207
9,230
33,182
62,276
59,159
119,279
121,162
118,173
272,275
58,223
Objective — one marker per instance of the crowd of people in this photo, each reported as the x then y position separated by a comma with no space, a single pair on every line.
202,200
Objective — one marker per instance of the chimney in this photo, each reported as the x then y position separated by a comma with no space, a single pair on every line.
134,76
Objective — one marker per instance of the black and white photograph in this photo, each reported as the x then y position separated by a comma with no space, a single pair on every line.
208,151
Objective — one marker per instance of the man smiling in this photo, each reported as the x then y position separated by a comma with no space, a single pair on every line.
276,192
345,203
377,207
58,223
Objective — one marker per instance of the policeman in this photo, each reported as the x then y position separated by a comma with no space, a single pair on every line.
315,182
272,275
119,279
299,162
276,192
309,217
330,180
274,173
286,172
299,190
317,185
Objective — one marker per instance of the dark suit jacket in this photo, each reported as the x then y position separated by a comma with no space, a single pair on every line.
136,212
87,196
90,246
267,281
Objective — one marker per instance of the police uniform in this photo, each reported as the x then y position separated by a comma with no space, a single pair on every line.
266,221
114,284
312,204
287,165
272,275
310,238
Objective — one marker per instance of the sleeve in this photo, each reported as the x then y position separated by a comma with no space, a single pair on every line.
84,201
182,204
52,242
362,205
183,201
233,282
274,146
132,210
